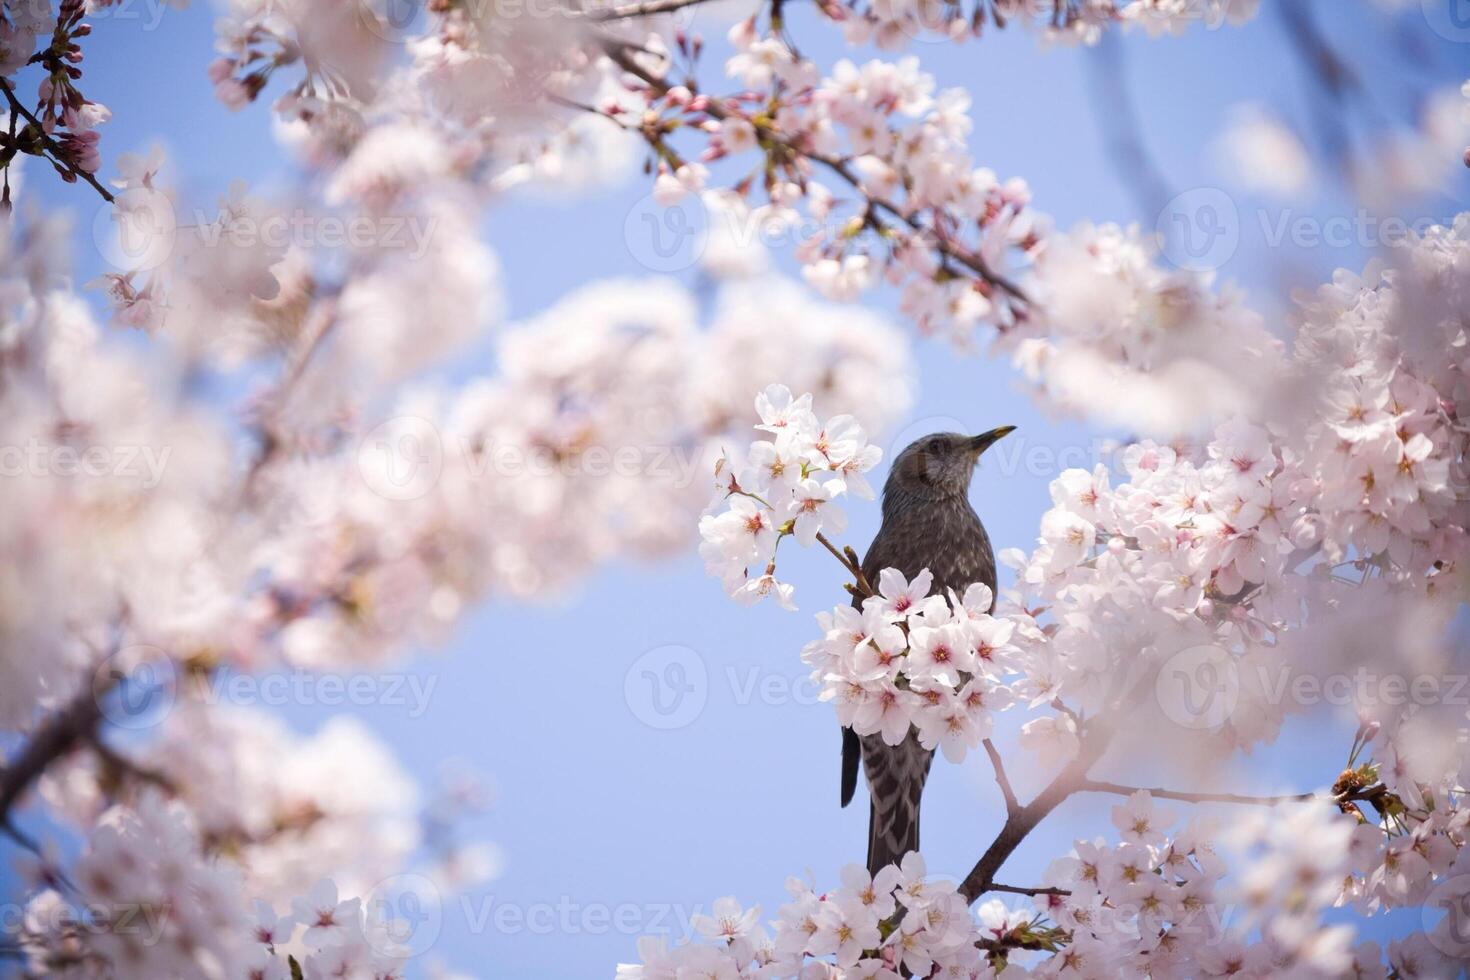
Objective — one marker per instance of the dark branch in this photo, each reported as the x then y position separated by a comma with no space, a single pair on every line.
997,887
56,737
58,154
848,563
647,9
1020,822
1117,116
126,766
1099,786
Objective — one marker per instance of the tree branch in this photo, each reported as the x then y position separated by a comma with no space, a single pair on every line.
56,736
1100,786
58,155
1020,822
648,8
617,51
997,887
123,764
1117,116
848,563
1012,804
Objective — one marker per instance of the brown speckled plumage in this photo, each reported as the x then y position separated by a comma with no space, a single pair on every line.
927,523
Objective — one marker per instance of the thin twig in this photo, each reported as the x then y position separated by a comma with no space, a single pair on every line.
58,154
857,567
997,887
646,9
1024,819
976,263
1012,804
1100,786
852,566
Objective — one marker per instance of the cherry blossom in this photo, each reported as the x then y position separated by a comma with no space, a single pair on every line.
1286,504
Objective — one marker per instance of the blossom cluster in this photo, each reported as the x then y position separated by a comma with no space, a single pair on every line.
1119,337
61,126
279,808
1156,903
784,485
893,24
899,922
866,169
869,166
1170,904
1237,542
1323,540
909,658
156,905
339,518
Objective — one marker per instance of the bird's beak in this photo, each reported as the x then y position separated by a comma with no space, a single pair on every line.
985,440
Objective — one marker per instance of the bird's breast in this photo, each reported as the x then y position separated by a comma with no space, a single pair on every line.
945,537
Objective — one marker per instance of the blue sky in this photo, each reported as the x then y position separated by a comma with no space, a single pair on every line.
612,827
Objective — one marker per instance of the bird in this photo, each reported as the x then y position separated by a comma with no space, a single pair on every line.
927,523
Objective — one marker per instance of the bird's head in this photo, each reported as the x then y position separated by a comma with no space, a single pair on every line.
939,465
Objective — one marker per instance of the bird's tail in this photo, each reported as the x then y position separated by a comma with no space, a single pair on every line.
896,776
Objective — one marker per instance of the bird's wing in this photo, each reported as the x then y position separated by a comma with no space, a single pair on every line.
852,754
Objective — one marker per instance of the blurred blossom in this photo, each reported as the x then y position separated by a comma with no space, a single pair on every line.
1260,152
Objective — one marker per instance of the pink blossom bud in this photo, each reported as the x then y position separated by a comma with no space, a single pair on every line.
220,69
232,93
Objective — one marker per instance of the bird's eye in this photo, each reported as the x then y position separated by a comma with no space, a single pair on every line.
936,446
